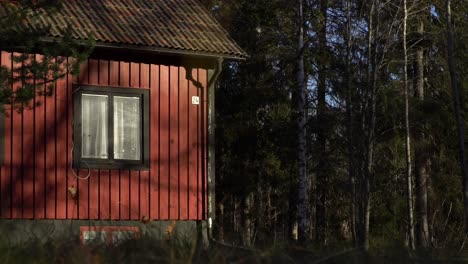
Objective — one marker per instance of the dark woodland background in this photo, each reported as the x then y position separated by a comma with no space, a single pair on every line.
357,167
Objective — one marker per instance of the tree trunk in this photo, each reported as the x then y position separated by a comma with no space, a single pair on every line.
322,173
422,158
409,180
349,124
292,212
366,214
368,126
457,108
271,222
246,221
302,190
221,220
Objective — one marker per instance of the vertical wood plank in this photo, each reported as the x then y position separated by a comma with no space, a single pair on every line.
39,155
104,72
144,199
93,189
50,138
105,195
134,182
144,75
183,144
16,155
71,180
6,169
134,189
50,159
145,174
93,182
174,144
124,74
114,199
125,174
114,69
155,143
83,175
104,177
164,158
93,72
82,76
79,78
28,163
134,75
193,151
82,194
125,195
114,177
62,148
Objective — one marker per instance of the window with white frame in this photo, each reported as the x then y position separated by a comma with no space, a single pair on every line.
111,128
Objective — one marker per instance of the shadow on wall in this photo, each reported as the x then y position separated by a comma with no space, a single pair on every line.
36,176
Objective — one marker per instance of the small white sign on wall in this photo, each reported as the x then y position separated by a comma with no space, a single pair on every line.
195,100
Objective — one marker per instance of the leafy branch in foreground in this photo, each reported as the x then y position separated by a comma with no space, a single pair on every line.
41,60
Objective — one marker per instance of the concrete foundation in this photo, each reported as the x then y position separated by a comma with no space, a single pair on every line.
22,231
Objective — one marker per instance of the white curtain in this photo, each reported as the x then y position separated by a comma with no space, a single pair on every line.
127,128
94,111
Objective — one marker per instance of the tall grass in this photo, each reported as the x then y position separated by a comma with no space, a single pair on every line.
151,250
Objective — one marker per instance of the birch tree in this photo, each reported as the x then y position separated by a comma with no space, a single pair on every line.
422,157
409,179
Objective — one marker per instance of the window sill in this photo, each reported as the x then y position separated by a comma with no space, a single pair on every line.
84,165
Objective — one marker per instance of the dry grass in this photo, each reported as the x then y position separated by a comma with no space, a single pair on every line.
149,250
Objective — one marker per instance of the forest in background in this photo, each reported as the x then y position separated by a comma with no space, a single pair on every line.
362,150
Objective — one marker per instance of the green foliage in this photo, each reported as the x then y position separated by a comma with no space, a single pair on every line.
30,74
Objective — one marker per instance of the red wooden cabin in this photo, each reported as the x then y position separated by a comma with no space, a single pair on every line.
127,139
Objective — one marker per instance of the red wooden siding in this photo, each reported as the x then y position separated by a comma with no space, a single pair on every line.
36,175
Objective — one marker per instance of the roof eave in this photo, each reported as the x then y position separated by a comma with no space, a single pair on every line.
168,51
160,50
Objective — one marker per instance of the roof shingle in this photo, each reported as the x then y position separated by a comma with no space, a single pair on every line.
182,25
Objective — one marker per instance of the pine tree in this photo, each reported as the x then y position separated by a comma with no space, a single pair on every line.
40,61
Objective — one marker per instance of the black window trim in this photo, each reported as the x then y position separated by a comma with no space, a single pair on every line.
110,163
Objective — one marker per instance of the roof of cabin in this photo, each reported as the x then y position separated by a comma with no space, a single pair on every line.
180,26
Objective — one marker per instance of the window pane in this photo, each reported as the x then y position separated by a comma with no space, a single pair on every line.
94,126
127,128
